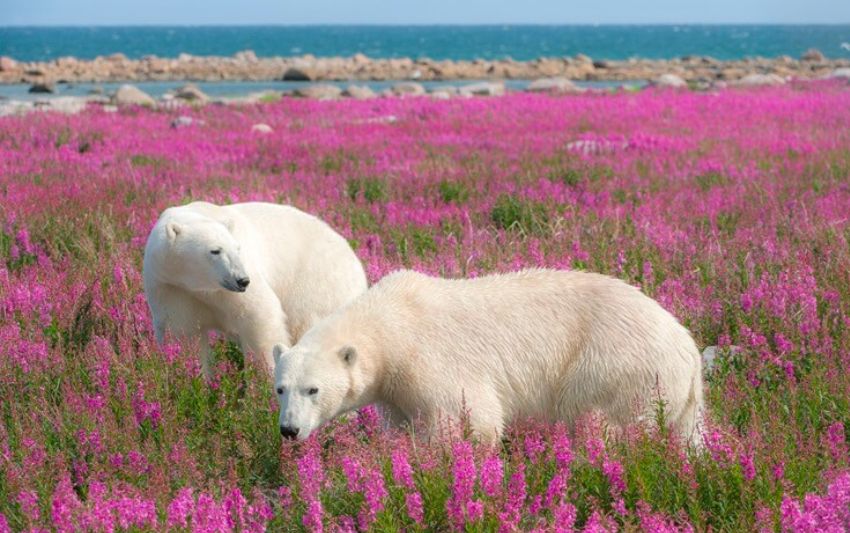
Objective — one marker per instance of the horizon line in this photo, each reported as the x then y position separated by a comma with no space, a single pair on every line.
409,24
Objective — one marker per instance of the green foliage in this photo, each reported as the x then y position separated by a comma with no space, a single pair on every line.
525,216
372,189
453,192
709,180
143,160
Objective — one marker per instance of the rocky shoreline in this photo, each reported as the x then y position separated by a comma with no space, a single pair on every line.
246,66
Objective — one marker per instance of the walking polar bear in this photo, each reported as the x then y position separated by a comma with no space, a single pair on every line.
262,273
537,343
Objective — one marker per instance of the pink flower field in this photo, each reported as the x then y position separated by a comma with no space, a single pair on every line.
731,208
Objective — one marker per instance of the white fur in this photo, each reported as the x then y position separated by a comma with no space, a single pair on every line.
537,343
300,271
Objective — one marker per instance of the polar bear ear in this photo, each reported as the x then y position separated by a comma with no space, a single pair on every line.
172,230
229,224
348,354
277,352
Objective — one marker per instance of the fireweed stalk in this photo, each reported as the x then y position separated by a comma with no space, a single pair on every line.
730,208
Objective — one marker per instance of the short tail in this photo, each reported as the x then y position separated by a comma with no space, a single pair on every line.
690,421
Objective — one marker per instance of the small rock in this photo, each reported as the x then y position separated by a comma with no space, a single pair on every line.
386,119
7,64
261,128
553,85
183,121
408,89
246,56
813,55
132,95
670,81
191,93
841,73
67,104
708,357
321,91
43,87
360,59
756,80
449,90
484,88
298,74
601,63
359,92
711,353
591,146
184,57
116,58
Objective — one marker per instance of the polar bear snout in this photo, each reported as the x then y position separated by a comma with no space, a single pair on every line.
236,284
239,284
288,432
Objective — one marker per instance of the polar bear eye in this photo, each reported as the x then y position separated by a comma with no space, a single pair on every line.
312,391
280,391
216,251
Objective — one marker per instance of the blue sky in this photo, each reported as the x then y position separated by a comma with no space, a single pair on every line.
179,12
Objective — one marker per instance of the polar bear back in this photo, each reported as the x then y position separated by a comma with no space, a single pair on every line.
538,343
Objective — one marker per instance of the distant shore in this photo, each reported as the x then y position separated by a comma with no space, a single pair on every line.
246,66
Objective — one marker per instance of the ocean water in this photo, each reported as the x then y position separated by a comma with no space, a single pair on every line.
235,89
436,42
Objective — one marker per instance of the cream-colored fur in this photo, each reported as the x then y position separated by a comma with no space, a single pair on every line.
537,343
300,271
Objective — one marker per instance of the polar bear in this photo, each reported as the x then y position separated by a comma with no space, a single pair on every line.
261,273
536,343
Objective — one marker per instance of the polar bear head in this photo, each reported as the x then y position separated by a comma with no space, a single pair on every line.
201,254
316,382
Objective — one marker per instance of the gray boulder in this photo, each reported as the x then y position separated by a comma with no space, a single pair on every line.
184,122
322,91
671,81
408,88
841,74
191,93
43,87
359,92
299,74
132,95
756,80
711,353
484,88
261,128
245,56
557,85
591,146
813,55
7,64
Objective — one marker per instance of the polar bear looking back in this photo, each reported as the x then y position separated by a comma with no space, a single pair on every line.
261,273
537,343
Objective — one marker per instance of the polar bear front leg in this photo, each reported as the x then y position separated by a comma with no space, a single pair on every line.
185,318
263,324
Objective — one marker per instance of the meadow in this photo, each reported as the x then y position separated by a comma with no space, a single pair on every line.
731,208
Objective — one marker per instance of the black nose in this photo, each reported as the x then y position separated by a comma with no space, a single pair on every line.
288,432
243,282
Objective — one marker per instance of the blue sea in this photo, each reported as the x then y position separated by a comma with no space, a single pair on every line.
436,42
